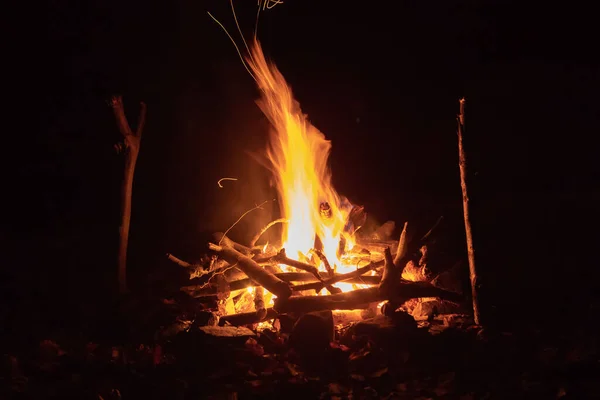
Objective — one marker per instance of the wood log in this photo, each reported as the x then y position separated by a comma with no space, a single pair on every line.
361,298
322,258
254,271
212,289
348,277
248,318
282,258
223,240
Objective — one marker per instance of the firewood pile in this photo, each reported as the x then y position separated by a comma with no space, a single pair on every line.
257,284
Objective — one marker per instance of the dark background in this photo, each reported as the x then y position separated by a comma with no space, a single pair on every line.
381,80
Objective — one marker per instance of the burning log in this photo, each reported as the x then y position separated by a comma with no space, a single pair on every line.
361,298
259,302
223,240
212,289
248,318
254,271
282,258
348,277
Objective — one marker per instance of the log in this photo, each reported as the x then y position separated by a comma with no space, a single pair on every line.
204,290
349,277
282,258
254,271
247,318
361,298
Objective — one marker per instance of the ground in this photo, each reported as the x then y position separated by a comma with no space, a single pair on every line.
136,348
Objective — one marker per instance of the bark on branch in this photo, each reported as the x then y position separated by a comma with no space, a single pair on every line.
254,271
361,298
131,148
462,164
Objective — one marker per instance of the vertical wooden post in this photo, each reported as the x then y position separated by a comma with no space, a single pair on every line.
131,149
462,163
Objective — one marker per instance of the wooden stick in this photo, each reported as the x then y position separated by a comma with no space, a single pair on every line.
402,249
325,261
212,289
391,273
132,148
342,277
282,258
361,298
462,163
254,271
259,303
223,240
179,261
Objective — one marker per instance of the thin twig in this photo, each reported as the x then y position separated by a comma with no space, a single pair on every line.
266,228
241,217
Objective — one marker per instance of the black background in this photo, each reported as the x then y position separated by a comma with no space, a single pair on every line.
382,81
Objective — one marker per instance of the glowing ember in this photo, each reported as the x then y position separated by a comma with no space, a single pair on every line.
298,153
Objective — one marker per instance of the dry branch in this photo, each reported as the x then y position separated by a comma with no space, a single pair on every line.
462,164
348,277
204,290
254,271
223,240
282,258
131,142
361,298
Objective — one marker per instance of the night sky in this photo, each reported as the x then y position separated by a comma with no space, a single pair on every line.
382,81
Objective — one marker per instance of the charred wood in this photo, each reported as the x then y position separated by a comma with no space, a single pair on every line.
361,298
248,318
254,271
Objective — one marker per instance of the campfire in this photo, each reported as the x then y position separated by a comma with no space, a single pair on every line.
323,260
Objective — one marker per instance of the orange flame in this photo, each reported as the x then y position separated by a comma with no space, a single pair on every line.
298,153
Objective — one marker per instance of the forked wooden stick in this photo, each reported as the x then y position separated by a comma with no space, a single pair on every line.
462,163
131,148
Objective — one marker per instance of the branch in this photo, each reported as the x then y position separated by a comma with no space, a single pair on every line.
254,271
462,164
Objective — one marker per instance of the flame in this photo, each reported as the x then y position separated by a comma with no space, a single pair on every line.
298,154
